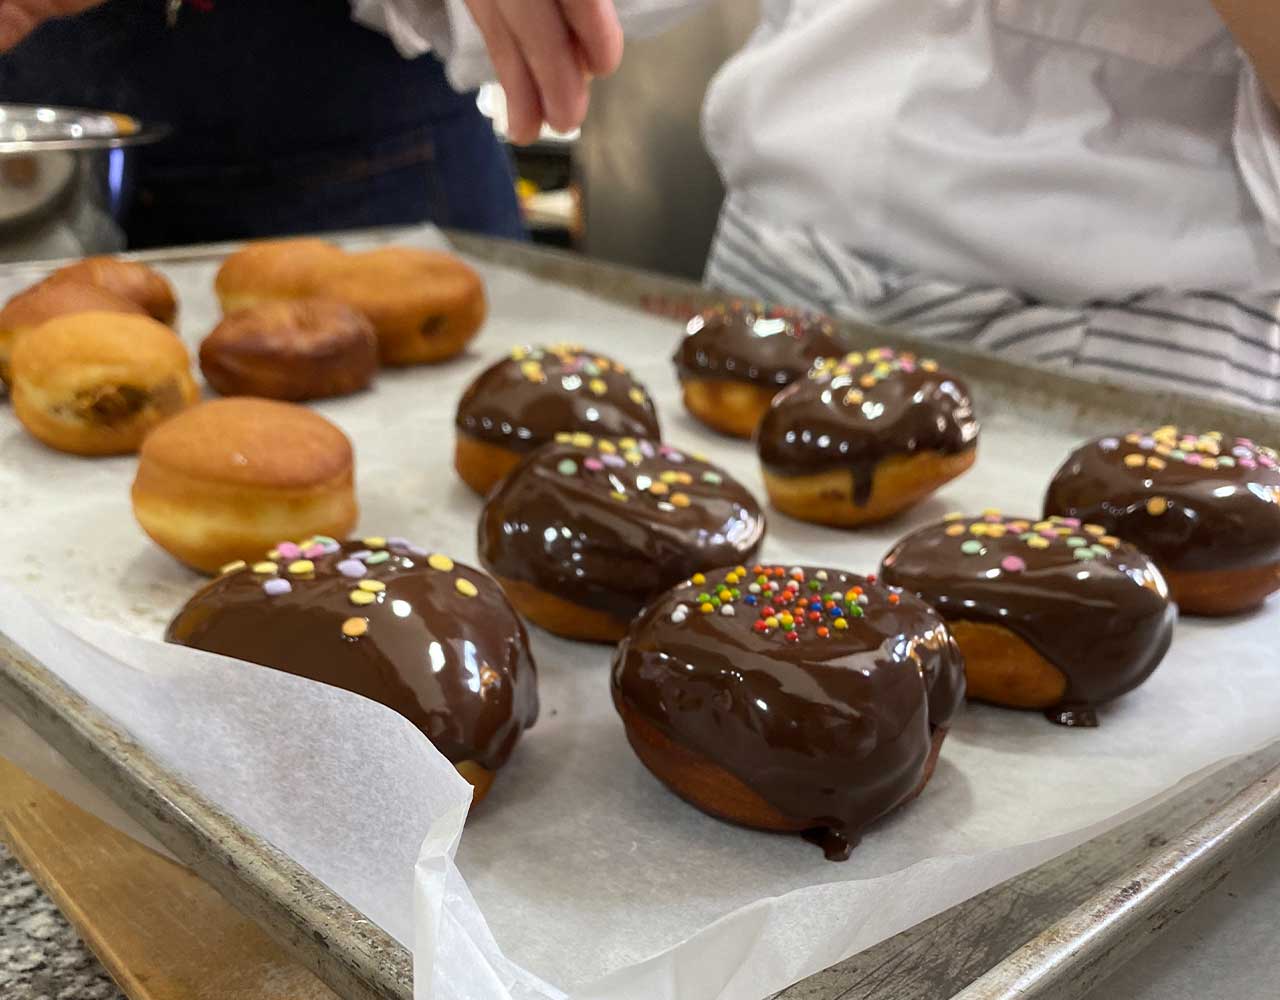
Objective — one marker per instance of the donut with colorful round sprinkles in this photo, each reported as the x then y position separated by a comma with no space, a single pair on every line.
1204,506
432,639
735,357
864,437
524,400
795,699
1054,615
586,530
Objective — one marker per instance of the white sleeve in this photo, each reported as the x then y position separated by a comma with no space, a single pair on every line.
446,28
1257,148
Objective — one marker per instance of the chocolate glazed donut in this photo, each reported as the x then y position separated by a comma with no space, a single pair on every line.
797,700
1205,507
735,358
1053,615
523,401
434,640
865,436
586,530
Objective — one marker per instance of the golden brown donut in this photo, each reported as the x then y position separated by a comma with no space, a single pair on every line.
426,305
128,279
229,477
305,349
43,302
271,270
95,383
864,437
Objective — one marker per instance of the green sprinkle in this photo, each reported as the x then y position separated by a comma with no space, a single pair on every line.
1075,541
1226,461
378,557
1178,453
714,478
1084,553
1101,551
703,598
971,547
567,467
716,602
815,585
855,611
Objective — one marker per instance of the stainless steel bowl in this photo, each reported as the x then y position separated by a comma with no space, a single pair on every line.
66,179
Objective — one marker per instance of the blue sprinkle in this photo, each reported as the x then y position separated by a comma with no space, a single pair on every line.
837,612
751,599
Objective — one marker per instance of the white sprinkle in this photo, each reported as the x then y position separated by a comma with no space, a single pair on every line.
754,588
680,613
821,574
727,609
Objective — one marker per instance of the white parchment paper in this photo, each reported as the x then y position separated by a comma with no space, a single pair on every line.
580,875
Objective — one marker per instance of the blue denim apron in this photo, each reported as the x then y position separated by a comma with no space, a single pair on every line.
287,116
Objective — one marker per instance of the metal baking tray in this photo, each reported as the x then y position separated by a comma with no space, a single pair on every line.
1053,932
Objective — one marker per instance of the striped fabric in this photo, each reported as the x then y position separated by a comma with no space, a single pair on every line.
1207,342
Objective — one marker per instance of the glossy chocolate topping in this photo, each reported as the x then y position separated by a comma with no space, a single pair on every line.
609,524
854,412
535,392
1094,607
817,689
1192,502
751,343
432,639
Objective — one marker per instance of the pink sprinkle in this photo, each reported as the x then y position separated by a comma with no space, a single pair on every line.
992,518
1013,564
594,464
288,550
1194,458
1267,461
312,551
1048,533
1244,441
907,367
1071,522
1248,463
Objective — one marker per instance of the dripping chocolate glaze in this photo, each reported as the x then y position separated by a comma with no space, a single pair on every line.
456,666
769,347
867,407
833,730
1193,502
608,525
525,399
1094,607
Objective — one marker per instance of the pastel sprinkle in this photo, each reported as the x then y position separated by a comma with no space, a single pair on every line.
1085,553
1157,506
374,542
288,550
1013,564
372,586
378,557
301,566
567,467
712,478
465,587
313,551
361,597
594,464
352,568
263,568
1037,542
1134,461
971,547
354,628
232,567
680,500
276,587
440,562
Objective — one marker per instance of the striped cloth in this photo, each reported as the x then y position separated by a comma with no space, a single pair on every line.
1208,342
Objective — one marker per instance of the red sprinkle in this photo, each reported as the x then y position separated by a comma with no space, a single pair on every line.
871,578
793,636
760,626
815,616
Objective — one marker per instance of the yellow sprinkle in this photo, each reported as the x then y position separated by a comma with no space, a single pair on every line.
679,500
300,566
731,578
443,563
697,579
582,440
354,628
1167,430
1134,460
563,437
706,608
1164,449
929,365
1037,542
659,489
608,447
991,512
636,396
597,385
771,622
465,587
627,443
873,354
955,515
1019,525
618,495
955,530
372,586
1133,438
231,567
1157,506
1209,463
1155,463
978,528
996,530
273,554
683,478
854,358
1096,530
668,477
853,397
374,542
1042,526
840,624
264,568
633,457
1065,532
360,598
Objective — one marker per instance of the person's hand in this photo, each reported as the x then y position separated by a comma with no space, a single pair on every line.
545,53
18,18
